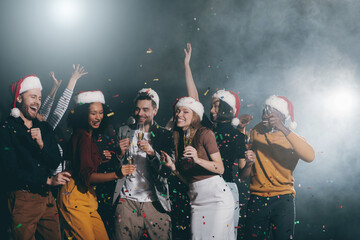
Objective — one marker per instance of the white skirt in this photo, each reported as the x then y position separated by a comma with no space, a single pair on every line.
212,209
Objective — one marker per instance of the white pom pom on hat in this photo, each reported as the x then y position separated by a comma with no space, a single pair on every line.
15,112
233,100
285,106
154,96
21,86
89,97
191,103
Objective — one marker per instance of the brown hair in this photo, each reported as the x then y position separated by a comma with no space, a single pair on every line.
195,125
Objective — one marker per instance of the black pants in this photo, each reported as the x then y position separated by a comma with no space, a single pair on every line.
267,215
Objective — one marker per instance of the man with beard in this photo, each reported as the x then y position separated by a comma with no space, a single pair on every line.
142,200
28,155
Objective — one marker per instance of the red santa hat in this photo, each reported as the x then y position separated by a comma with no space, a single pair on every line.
154,96
89,97
283,105
21,86
233,100
191,103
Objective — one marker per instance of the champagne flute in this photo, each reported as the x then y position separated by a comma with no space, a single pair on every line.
267,111
187,138
187,162
140,134
130,160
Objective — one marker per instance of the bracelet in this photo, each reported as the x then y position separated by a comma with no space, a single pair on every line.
118,173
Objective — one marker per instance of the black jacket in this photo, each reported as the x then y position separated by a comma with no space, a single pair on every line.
24,165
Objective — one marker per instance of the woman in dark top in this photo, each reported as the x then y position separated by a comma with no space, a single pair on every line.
198,163
77,199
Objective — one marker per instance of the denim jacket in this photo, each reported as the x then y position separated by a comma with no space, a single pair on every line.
161,139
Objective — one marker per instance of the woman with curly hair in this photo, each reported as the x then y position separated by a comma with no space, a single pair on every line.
77,199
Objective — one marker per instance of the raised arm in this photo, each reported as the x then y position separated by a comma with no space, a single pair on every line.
302,148
190,84
49,100
64,100
79,71
55,86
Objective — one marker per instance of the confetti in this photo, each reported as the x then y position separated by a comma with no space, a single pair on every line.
207,91
110,114
117,95
156,80
149,51
18,225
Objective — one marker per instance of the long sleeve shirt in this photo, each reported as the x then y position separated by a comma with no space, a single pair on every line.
46,107
86,156
276,158
23,163
60,109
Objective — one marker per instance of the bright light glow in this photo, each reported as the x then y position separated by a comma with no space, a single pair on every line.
340,101
66,12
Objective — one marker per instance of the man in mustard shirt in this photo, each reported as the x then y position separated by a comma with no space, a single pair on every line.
271,207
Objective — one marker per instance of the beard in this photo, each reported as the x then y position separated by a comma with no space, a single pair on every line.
27,112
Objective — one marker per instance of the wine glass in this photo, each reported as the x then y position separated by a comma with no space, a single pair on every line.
66,168
130,160
267,111
248,142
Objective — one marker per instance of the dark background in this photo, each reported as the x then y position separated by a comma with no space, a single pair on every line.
307,50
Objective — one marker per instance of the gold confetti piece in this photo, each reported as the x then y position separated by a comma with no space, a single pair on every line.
156,79
207,90
110,114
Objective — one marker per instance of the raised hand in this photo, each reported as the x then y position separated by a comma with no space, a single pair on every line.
78,72
276,121
56,82
146,147
187,54
245,119
125,170
124,145
250,157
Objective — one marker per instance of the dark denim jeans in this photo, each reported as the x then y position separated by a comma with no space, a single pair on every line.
270,215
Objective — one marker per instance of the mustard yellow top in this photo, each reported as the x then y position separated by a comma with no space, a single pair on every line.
277,156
